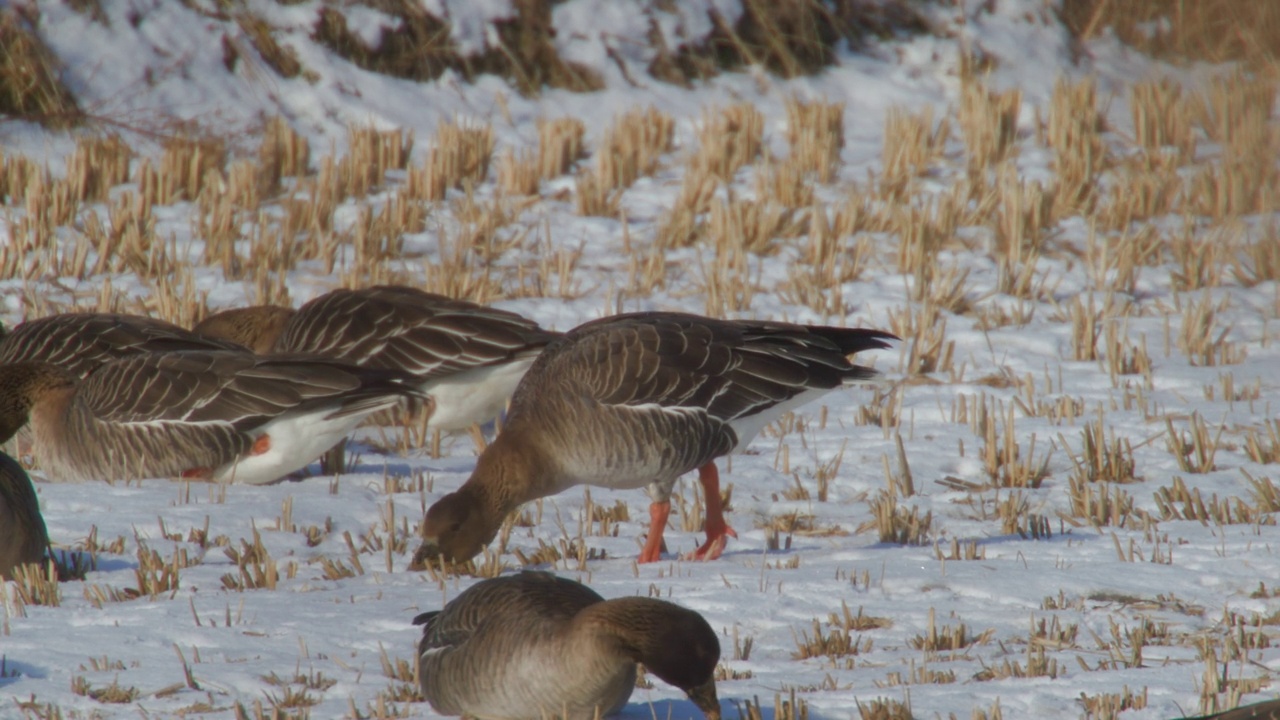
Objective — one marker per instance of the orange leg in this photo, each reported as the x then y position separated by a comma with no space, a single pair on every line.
658,514
205,474
718,531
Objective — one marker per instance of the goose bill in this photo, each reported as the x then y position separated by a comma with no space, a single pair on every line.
704,696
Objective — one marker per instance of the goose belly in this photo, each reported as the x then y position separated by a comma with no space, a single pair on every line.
292,442
747,427
474,396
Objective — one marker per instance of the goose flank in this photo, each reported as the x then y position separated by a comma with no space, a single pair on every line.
210,415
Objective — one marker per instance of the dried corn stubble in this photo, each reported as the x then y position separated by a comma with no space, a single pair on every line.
283,152
815,134
1075,135
517,172
728,139
632,147
593,198
783,183
560,145
460,155
912,143
97,165
370,154
186,165
1162,119
749,225
988,123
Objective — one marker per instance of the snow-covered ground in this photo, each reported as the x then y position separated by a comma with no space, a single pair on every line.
341,607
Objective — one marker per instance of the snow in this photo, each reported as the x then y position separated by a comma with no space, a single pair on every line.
170,64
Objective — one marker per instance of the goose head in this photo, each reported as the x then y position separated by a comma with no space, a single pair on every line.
459,525
457,528
675,644
21,386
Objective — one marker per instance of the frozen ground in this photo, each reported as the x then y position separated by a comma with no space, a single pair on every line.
328,637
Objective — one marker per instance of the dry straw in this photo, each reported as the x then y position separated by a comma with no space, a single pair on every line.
988,123
815,134
29,84
560,145
728,138
912,143
460,155
633,145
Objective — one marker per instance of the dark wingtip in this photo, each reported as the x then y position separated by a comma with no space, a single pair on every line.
883,337
855,340
426,617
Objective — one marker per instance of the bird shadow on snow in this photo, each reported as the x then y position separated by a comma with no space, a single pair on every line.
15,670
995,540
730,709
109,563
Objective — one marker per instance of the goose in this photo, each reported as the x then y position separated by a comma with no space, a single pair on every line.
533,645
467,357
637,400
221,415
23,538
80,342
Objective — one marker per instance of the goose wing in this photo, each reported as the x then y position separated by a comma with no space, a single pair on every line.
81,342
721,370
229,388
427,335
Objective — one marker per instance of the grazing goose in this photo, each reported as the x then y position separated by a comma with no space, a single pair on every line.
638,400
209,415
533,646
80,342
467,357
23,538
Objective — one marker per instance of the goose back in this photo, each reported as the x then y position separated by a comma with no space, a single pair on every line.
399,327
81,342
468,357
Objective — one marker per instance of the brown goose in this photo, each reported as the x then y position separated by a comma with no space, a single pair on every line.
467,357
212,415
534,645
80,342
638,400
23,538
